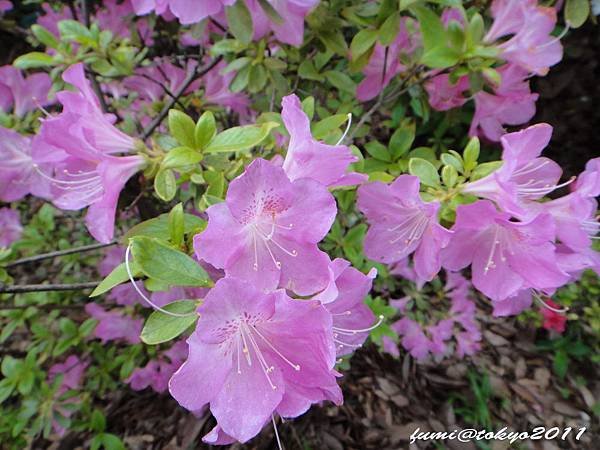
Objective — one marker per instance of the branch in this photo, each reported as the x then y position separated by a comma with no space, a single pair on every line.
192,76
21,288
69,251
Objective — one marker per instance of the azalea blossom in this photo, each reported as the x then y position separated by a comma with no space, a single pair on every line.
113,325
10,227
344,299
529,25
401,223
513,305
268,228
505,256
511,103
186,11
375,79
23,94
157,372
308,158
444,95
254,354
91,175
524,175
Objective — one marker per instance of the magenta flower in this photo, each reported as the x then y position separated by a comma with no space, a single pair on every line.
506,256
531,45
21,164
113,325
513,305
390,346
308,158
156,373
444,95
186,11
267,230
344,299
217,92
413,339
293,12
255,354
511,104
10,227
588,182
373,83
524,175
72,371
401,223
23,94
91,175
5,5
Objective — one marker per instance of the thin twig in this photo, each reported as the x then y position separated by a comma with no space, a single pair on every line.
45,306
68,251
21,288
192,76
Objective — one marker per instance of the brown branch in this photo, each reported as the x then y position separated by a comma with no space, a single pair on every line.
69,251
22,288
192,76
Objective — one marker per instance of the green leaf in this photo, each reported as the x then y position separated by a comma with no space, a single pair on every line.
341,81
440,57
449,176
181,156
561,363
158,227
44,36
451,160
112,442
471,153
307,70
432,29
33,60
240,81
362,42
402,140
163,263
176,225
308,106
240,22
389,29
378,151
165,185
161,327
483,170
426,171
72,30
181,127
257,78
205,130
329,124
577,12
240,138
117,276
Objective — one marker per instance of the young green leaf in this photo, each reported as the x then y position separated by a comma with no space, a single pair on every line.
181,156
165,185
240,138
426,171
181,127
33,60
362,42
176,225
205,130
118,276
577,12
240,22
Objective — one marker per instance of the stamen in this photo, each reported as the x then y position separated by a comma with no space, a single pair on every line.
543,190
294,366
65,182
347,332
414,232
346,130
261,359
345,313
276,433
40,107
538,297
141,294
530,167
490,261
345,344
408,219
557,38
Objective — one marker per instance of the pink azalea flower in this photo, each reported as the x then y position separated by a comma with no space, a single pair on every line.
389,346
414,339
91,175
20,166
553,320
186,11
374,82
217,92
531,45
524,175
72,372
308,158
344,299
588,182
156,373
401,223
10,227
267,230
512,103
26,94
113,325
292,13
52,16
405,269
254,354
5,5
513,305
443,95
506,256
467,343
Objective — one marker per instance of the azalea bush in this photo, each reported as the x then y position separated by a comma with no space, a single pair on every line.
224,199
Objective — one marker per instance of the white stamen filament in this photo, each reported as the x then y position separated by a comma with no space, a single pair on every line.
294,366
266,238
557,38
59,182
538,297
407,219
346,130
490,264
347,332
542,190
276,433
345,344
414,232
530,167
141,294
